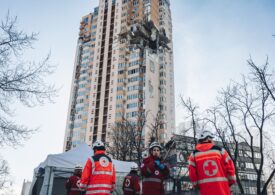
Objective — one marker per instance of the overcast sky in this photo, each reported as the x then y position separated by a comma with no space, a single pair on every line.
212,41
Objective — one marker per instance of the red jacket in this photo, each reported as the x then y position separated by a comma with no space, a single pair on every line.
71,186
131,184
153,177
211,169
99,175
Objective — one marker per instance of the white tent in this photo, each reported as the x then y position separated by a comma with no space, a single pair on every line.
65,162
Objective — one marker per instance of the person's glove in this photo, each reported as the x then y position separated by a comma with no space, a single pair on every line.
159,165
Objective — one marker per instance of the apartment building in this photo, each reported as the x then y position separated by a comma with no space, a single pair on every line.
123,67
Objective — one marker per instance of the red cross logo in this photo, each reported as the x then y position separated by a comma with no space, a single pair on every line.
104,162
127,182
210,167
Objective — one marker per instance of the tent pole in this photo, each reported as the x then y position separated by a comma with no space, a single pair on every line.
34,179
50,189
46,181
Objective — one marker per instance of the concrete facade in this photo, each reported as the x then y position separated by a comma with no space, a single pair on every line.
123,66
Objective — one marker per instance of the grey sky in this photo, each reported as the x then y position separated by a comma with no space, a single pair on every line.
212,41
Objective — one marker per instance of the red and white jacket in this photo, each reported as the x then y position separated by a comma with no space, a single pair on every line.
71,186
153,177
99,175
131,184
211,169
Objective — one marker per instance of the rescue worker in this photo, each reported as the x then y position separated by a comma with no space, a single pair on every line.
71,184
211,169
131,182
99,175
153,171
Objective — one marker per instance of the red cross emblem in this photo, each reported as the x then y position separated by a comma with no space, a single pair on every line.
104,162
127,182
210,167
156,172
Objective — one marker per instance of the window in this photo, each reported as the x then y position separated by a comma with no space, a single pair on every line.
136,2
249,165
82,85
132,105
162,74
136,70
134,63
134,79
135,87
119,97
240,153
120,80
131,114
121,65
119,88
257,155
119,114
121,72
119,106
134,96
162,82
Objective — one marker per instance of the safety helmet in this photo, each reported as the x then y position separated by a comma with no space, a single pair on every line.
204,134
78,167
99,145
144,154
155,144
134,167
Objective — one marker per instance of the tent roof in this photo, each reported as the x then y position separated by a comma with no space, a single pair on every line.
78,156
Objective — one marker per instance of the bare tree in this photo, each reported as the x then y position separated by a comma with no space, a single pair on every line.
185,145
155,127
263,75
4,174
222,118
263,119
243,117
192,114
127,138
121,136
20,81
138,139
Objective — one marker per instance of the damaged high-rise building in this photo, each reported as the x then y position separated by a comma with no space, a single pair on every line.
123,67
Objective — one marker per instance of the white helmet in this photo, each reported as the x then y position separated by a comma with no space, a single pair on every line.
155,144
98,144
144,154
204,134
134,167
78,167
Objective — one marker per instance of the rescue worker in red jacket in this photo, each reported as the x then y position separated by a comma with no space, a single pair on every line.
153,171
71,184
211,169
131,182
99,175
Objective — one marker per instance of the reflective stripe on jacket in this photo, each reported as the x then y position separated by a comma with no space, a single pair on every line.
99,175
211,169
